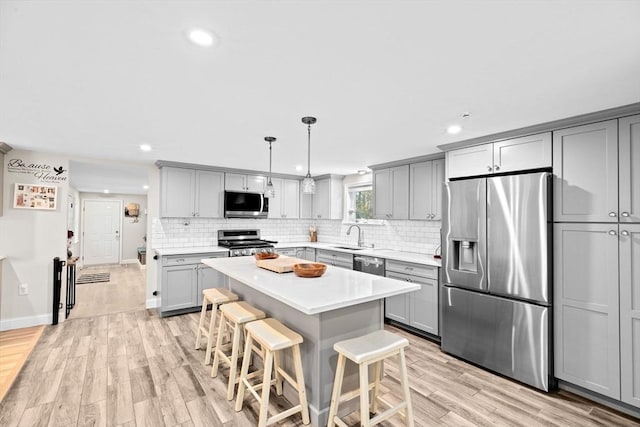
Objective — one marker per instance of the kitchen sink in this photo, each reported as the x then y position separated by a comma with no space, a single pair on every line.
349,248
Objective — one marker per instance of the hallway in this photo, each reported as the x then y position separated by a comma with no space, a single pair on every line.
125,291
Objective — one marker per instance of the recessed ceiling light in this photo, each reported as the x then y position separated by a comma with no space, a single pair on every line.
146,187
362,172
201,37
106,191
299,168
145,147
453,129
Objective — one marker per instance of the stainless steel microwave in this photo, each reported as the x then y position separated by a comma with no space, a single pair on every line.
245,205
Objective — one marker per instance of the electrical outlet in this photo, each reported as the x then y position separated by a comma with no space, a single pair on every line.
23,289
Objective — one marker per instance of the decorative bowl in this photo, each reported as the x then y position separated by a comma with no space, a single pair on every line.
309,269
266,255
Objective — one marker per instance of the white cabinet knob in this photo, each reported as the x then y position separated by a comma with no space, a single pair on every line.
612,232
489,168
624,232
496,167
625,214
613,214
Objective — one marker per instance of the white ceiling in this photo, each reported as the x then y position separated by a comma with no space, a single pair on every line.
384,78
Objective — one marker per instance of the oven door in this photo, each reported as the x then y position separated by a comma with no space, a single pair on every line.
245,205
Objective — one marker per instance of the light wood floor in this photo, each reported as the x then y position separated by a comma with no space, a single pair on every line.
125,291
15,347
137,369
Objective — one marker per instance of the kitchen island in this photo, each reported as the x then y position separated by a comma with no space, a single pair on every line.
341,304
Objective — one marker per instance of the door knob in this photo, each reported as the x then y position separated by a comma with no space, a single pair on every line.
612,232
624,232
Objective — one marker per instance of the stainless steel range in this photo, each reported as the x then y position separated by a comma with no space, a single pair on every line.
243,242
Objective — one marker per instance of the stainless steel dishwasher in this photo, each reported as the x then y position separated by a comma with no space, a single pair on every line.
369,264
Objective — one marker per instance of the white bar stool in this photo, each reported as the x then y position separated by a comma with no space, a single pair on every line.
273,338
215,297
235,315
364,351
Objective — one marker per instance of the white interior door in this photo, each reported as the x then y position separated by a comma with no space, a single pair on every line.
101,231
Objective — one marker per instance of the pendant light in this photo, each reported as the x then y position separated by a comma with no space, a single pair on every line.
269,191
308,184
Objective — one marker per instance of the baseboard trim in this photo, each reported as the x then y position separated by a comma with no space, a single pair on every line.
153,303
599,398
26,322
129,261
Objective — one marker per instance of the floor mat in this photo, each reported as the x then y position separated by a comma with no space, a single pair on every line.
93,278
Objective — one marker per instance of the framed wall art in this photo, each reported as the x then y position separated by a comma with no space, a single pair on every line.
31,196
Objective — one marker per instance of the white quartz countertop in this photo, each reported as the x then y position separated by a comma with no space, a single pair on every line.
336,288
187,251
418,258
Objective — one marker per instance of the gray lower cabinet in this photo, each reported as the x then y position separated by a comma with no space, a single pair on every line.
287,251
335,258
306,253
630,313
418,309
586,313
183,280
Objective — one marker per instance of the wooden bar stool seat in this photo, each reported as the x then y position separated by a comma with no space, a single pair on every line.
215,297
234,315
366,350
273,338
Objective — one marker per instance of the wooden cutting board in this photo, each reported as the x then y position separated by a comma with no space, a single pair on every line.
283,264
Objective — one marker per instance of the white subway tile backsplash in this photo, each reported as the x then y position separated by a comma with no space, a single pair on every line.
411,236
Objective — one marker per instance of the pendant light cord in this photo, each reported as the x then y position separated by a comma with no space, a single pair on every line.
309,151
269,162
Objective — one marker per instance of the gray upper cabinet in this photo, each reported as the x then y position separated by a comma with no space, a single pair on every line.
391,193
244,182
630,313
527,152
586,310
470,161
327,200
191,193
585,165
286,203
425,190
629,169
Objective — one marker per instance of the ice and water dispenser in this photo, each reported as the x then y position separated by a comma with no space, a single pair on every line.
465,253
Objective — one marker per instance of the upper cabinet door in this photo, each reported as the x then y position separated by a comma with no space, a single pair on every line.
585,165
209,194
421,190
381,194
235,182
275,203
470,161
629,169
256,183
529,152
322,199
291,198
437,179
400,192
630,313
177,198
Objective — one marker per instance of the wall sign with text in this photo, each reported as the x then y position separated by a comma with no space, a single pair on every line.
43,172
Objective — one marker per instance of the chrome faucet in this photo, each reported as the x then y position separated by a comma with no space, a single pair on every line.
360,240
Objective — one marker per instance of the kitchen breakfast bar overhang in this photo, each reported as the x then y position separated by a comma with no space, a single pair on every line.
341,304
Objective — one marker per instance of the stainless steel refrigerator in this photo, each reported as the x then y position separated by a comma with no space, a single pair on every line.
496,304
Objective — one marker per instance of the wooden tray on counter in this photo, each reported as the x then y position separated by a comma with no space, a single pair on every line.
284,264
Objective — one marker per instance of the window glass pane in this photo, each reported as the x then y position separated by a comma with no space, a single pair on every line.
360,203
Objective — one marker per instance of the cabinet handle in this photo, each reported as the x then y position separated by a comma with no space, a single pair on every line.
613,214
496,167
489,168
193,214
180,260
409,268
612,232
625,214
408,279
624,232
